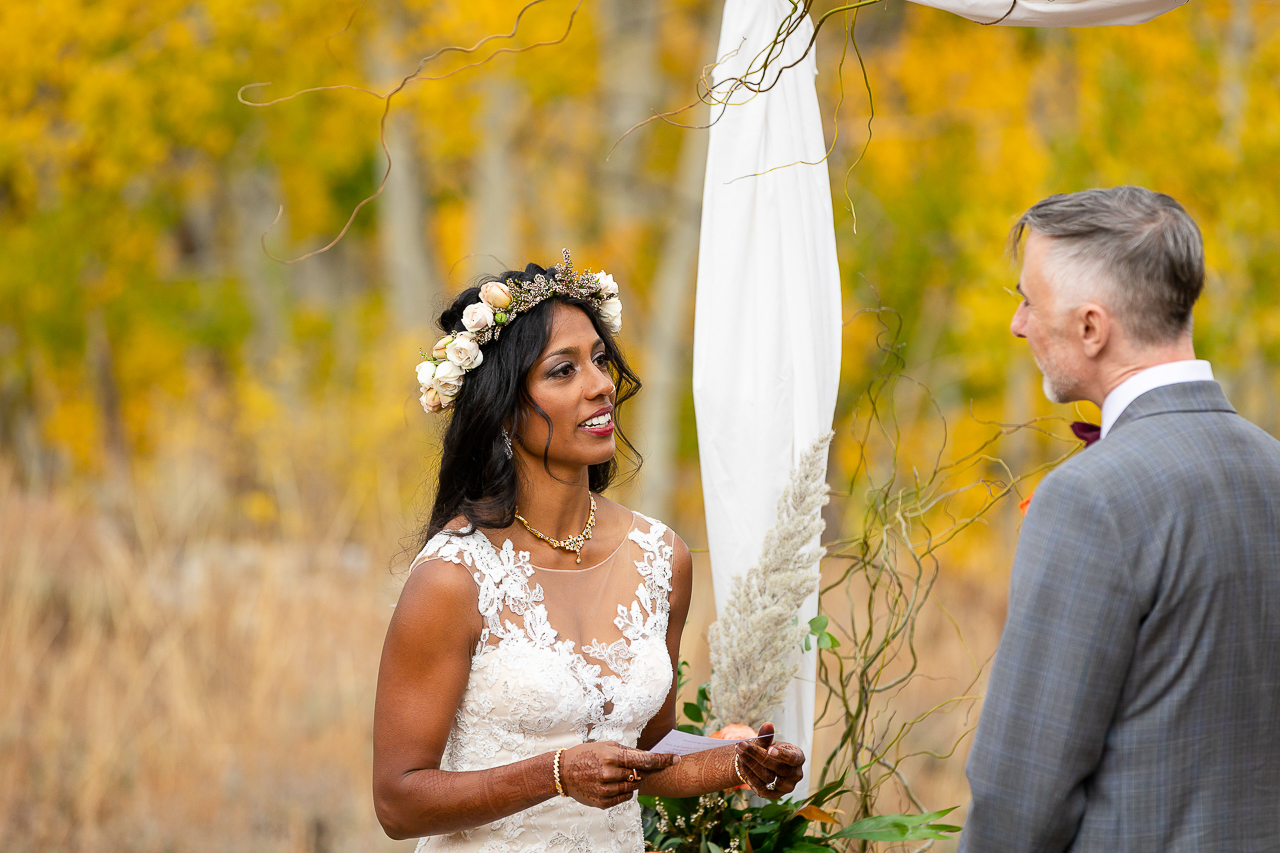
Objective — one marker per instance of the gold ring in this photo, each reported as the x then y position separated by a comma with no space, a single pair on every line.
635,775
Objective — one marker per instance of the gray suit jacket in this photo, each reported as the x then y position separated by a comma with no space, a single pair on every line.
1134,702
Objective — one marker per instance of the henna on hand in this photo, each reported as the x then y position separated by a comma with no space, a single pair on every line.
606,774
699,773
780,764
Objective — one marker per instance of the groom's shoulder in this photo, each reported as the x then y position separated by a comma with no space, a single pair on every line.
1169,455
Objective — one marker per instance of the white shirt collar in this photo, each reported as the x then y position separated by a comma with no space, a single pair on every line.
1170,373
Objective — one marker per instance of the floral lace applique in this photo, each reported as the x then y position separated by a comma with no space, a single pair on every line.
530,692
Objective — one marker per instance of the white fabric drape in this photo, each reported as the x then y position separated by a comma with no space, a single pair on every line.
1056,13
766,354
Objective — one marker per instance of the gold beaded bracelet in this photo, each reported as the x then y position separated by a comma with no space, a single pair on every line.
738,770
556,768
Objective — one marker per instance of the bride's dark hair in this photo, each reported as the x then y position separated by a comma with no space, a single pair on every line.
477,480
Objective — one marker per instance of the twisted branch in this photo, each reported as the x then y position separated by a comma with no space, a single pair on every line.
893,557
416,75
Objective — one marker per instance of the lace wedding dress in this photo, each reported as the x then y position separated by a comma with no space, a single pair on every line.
564,657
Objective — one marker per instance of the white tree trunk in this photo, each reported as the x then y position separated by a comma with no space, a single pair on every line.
255,200
115,445
1233,82
495,242
667,345
629,93
1252,387
404,241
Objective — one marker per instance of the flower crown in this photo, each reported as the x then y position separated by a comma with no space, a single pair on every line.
441,373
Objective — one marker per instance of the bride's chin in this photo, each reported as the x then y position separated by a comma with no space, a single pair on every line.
601,456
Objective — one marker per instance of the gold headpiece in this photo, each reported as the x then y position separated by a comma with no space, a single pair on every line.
440,374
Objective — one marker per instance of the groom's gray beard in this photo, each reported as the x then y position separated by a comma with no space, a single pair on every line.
1055,388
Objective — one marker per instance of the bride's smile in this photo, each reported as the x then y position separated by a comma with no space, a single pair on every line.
571,387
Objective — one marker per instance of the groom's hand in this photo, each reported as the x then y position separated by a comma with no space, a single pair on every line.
771,769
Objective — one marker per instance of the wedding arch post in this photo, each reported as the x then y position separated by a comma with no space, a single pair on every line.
1050,13
767,321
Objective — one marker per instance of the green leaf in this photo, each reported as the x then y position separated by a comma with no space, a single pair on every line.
827,641
818,624
898,827
806,643
827,791
806,847
776,810
693,712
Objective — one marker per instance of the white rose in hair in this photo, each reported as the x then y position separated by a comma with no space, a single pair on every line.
448,381
426,372
495,294
477,316
607,285
438,348
611,313
464,351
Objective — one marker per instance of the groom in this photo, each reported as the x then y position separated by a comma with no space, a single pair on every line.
1134,702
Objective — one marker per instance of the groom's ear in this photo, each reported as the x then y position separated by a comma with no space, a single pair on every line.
1095,327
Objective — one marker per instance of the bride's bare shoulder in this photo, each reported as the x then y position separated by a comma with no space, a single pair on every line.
439,590
441,571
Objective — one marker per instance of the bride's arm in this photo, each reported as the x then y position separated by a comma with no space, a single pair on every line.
426,661
712,770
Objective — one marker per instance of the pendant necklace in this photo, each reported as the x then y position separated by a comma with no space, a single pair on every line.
573,543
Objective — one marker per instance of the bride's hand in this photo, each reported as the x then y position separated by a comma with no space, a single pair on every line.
771,769
606,774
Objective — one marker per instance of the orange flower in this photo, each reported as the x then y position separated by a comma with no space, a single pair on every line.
1026,503
734,731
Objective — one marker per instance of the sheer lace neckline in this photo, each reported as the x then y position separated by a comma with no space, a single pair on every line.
607,558
497,550
515,605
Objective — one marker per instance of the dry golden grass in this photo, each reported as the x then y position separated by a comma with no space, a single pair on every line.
165,690
182,695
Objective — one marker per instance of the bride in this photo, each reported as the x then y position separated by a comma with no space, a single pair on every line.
528,665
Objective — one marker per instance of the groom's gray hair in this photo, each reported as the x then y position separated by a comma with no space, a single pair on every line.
1137,250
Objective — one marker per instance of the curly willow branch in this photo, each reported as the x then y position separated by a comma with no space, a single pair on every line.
418,76
707,90
889,568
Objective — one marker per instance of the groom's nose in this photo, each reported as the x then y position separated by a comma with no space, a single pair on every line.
1018,324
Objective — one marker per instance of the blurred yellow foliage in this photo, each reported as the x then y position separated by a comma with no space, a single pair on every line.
160,377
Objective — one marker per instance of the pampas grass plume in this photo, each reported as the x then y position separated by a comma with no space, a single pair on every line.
752,645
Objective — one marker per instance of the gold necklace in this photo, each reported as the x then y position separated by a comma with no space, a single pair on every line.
573,543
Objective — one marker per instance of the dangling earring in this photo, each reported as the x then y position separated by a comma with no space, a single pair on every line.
506,441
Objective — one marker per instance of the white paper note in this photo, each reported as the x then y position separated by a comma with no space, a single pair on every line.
682,743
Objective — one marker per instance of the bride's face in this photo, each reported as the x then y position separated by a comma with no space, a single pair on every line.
570,382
